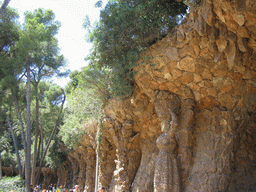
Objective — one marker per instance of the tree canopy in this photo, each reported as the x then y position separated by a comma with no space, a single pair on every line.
30,54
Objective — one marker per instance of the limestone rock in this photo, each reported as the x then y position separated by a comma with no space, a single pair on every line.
187,64
172,53
208,62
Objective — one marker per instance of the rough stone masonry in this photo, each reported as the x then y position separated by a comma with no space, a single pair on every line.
209,63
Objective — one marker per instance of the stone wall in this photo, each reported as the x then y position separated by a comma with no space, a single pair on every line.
209,63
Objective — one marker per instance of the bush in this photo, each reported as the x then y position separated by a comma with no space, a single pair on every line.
125,29
87,94
12,183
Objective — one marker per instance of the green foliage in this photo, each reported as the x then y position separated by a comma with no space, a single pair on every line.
193,3
88,92
4,139
33,43
38,46
4,143
8,159
57,154
81,108
50,98
12,183
9,29
9,34
125,29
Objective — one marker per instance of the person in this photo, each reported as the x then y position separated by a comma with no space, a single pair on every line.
31,188
59,188
76,188
54,188
36,189
50,187
102,189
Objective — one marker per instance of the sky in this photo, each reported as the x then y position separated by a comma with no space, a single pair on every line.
72,35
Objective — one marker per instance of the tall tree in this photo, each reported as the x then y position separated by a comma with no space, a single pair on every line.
8,65
14,138
47,64
37,52
29,55
3,6
55,98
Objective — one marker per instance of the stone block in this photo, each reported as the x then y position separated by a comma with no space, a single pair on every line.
186,78
168,76
243,32
212,92
252,44
226,100
171,65
239,18
230,53
220,13
241,44
221,43
187,50
226,86
176,73
247,74
197,78
203,92
193,86
239,70
207,103
230,22
204,43
220,69
237,76
206,74
158,49
187,64
172,87
172,53
158,62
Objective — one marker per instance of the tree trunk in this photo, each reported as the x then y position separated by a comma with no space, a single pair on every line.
21,128
1,175
97,169
15,144
50,138
28,138
3,6
39,147
20,119
42,140
33,174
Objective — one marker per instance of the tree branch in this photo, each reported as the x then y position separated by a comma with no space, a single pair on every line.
3,6
50,138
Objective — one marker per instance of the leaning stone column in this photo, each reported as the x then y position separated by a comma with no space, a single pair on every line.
90,170
214,147
126,154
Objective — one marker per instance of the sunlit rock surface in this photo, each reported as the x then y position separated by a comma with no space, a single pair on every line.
210,60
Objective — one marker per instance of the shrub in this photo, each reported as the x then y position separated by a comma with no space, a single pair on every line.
12,183
125,29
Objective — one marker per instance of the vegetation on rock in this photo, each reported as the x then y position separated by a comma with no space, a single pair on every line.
125,29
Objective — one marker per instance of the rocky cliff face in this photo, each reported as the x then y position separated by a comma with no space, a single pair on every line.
209,63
